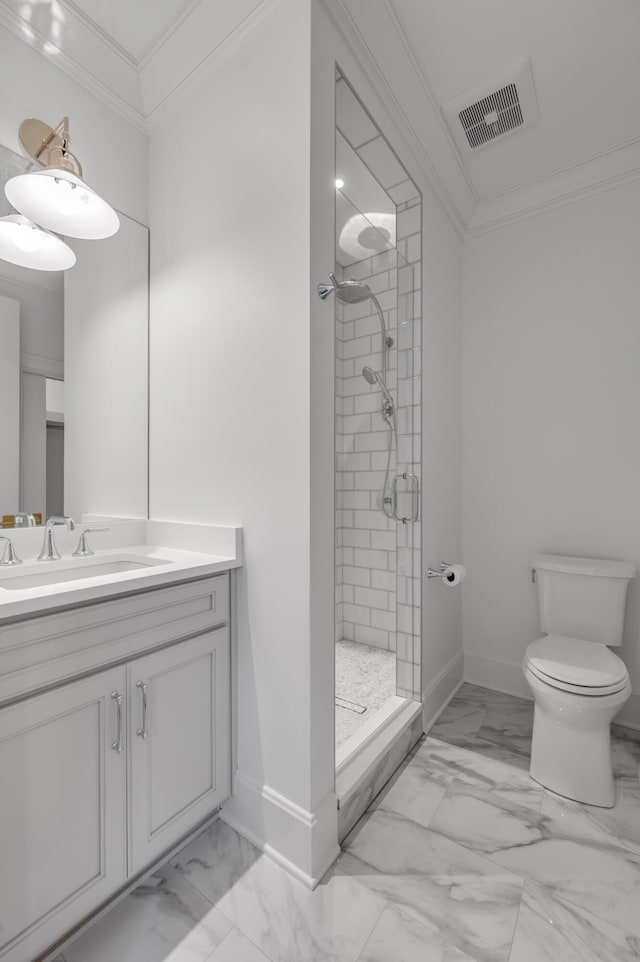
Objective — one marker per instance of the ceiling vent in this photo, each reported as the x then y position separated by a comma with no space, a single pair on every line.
492,110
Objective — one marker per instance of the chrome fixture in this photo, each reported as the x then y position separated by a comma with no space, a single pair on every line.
9,556
118,744
83,550
441,573
354,292
144,731
415,497
57,197
24,520
374,378
388,500
49,551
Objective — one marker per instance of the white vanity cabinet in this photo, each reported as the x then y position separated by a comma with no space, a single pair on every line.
62,811
100,776
179,741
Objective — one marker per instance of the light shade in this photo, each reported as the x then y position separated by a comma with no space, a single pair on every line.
59,200
27,245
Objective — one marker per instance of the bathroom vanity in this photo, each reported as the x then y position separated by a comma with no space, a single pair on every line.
115,730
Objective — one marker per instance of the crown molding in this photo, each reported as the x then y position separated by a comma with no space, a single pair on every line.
605,171
435,107
153,48
88,47
577,165
361,48
106,38
440,164
179,85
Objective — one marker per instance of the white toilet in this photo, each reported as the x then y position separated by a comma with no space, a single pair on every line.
578,684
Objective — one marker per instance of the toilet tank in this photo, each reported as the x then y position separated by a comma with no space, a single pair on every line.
582,597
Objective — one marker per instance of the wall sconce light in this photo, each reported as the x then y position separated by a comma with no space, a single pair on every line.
57,197
24,243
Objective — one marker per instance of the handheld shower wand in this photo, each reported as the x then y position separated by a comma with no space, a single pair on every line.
374,378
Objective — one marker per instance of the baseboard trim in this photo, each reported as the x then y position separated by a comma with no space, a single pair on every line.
304,843
507,677
439,693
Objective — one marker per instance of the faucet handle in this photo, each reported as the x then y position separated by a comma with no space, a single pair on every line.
9,556
83,550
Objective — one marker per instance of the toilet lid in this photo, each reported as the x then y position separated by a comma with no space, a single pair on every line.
571,661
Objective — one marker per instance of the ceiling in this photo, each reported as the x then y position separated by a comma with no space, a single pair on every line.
586,67
586,70
136,25
583,54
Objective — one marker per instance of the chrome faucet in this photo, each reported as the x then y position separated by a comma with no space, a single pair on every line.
9,556
83,550
49,551
24,520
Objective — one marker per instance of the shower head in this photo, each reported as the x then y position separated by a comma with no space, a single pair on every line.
353,292
349,292
374,378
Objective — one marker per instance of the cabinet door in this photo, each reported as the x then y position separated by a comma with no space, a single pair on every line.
62,810
180,739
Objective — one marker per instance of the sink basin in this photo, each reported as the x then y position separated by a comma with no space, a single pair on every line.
58,572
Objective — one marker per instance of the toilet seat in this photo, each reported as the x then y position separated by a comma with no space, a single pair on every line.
573,665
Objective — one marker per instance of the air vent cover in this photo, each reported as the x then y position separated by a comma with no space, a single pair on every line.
504,103
492,116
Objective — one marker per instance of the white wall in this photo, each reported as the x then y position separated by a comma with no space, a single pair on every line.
106,352
551,402
230,393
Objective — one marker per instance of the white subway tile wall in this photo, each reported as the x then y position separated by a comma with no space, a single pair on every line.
378,559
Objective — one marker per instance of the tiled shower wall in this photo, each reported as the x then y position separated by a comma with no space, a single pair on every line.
377,559
366,574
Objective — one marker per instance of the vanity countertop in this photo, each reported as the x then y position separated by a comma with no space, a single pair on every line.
151,566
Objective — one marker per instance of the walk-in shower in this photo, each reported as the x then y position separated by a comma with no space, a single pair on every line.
376,311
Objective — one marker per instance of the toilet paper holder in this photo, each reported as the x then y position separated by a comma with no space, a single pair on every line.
444,567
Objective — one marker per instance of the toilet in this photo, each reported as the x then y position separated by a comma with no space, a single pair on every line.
578,683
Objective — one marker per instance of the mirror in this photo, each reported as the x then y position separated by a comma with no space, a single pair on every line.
64,438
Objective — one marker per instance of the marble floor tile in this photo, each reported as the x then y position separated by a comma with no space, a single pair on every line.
618,826
470,902
275,911
597,874
236,947
413,793
164,920
480,746
399,937
550,930
447,763
462,717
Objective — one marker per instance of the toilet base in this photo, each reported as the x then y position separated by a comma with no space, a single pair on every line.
571,747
